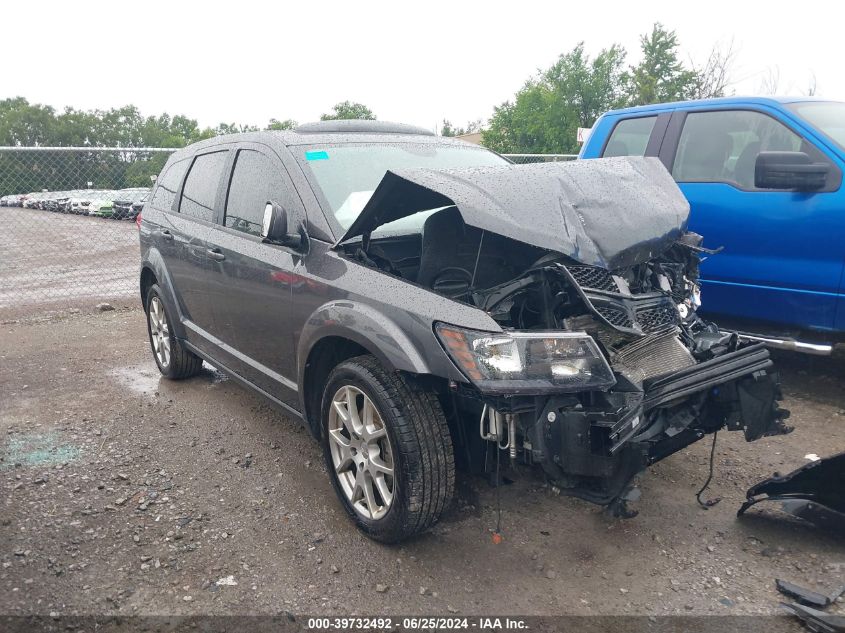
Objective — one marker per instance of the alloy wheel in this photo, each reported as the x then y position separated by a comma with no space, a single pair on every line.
159,332
361,452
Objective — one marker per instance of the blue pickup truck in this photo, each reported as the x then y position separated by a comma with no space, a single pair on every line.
763,178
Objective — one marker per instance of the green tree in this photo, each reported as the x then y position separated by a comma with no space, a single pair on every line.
287,124
546,112
447,129
349,110
660,76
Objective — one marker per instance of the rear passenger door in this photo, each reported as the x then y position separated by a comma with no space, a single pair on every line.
254,312
783,250
636,136
189,263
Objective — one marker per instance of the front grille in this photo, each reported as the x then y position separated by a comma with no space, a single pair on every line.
653,356
657,318
593,277
615,316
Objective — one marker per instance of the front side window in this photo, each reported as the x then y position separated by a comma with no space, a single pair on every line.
347,174
630,137
256,180
168,184
200,189
722,146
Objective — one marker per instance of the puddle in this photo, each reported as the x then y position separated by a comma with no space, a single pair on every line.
146,381
141,380
37,449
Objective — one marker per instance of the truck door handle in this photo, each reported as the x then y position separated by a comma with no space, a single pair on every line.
167,234
215,254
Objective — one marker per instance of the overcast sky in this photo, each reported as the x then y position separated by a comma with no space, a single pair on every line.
415,62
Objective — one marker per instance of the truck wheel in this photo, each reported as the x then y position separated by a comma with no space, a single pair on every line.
388,450
173,360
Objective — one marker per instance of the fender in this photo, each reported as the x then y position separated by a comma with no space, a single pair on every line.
363,324
155,263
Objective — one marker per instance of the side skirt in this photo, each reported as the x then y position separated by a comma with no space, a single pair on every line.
285,408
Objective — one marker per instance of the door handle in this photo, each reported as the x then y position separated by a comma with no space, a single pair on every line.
215,254
167,234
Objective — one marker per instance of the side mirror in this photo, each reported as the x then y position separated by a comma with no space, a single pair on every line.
274,228
789,170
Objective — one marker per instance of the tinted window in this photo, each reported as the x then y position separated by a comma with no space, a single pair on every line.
630,137
723,146
256,180
168,184
201,186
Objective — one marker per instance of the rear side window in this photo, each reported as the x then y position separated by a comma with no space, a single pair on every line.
722,146
200,189
630,137
168,184
256,180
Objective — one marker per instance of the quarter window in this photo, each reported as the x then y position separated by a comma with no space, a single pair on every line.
722,146
256,180
630,137
200,189
168,184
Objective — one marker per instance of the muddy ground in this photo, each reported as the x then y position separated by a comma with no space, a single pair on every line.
127,494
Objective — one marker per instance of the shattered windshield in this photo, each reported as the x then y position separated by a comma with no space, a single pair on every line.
347,174
826,116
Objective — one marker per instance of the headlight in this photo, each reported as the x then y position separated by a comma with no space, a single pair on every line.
527,362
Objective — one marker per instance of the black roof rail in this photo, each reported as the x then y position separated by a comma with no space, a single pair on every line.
345,126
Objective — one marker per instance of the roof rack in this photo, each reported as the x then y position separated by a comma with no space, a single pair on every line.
345,126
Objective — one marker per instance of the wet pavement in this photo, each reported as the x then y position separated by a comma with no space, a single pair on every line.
125,493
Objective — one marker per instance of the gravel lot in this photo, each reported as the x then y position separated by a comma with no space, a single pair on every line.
50,258
127,494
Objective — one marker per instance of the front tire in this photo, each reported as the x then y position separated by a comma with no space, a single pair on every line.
173,360
388,450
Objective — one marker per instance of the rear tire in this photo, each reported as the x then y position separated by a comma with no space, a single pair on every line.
415,441
173,359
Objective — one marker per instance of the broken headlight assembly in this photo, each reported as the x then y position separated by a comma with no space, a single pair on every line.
527,362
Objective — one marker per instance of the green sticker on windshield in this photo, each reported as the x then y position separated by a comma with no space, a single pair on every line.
317,155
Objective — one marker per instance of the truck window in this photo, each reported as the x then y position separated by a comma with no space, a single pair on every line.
629,137
722,146
200,189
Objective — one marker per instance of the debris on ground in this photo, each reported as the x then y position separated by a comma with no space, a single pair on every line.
808,597
816,621
815,492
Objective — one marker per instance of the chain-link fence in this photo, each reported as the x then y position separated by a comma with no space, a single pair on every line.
67,236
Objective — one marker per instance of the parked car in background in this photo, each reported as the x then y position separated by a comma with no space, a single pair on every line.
418,301
34,200
128,202
102,207
763,177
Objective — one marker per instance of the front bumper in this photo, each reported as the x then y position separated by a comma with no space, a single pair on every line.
594,448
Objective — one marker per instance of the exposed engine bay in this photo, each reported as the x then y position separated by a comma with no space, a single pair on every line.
603,365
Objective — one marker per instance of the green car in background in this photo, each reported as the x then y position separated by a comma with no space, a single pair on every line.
102,208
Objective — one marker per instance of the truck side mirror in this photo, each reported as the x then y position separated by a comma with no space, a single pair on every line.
789,170
274,228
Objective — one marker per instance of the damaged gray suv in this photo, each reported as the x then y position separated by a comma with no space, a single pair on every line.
420,302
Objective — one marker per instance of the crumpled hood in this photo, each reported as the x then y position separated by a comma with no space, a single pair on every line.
611,212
